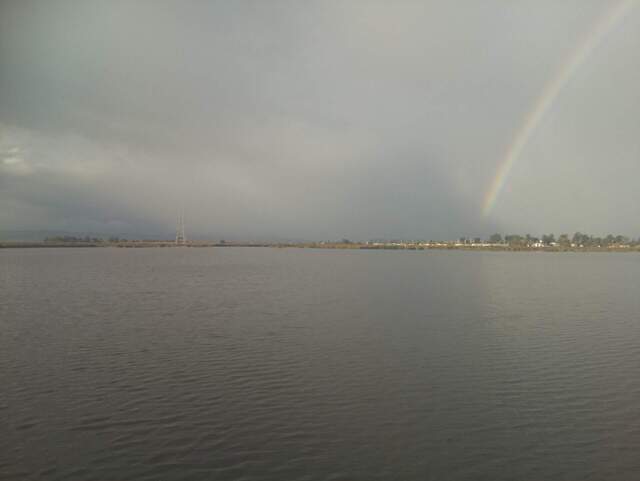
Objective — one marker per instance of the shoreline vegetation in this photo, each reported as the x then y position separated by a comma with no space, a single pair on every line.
513,243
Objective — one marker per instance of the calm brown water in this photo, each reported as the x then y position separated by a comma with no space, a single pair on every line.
249,364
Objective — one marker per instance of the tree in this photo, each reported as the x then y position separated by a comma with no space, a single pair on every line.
496,238
548,239
620,239
531,240
580,239
514,240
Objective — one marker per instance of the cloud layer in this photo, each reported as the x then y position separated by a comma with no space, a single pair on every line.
319,120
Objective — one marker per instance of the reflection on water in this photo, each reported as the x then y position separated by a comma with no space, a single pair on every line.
235,363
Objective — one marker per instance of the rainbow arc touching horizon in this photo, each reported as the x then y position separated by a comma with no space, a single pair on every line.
610,19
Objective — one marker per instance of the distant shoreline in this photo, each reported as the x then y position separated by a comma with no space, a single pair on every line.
322,245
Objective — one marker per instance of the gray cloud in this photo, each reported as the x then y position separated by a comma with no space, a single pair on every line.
315,120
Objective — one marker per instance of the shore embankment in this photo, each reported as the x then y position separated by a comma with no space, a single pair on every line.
326,245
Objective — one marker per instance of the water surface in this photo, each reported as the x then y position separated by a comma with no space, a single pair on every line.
278,364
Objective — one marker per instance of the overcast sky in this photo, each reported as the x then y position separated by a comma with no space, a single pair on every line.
314,120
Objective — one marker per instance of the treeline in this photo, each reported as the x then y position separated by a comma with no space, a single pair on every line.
70,239
563,240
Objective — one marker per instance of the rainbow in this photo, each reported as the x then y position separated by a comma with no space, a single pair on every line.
548,96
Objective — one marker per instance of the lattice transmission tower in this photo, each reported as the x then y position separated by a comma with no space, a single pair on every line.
181,238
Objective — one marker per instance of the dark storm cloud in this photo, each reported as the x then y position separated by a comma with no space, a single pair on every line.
307,119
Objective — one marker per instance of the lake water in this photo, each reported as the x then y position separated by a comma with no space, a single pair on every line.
281,364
